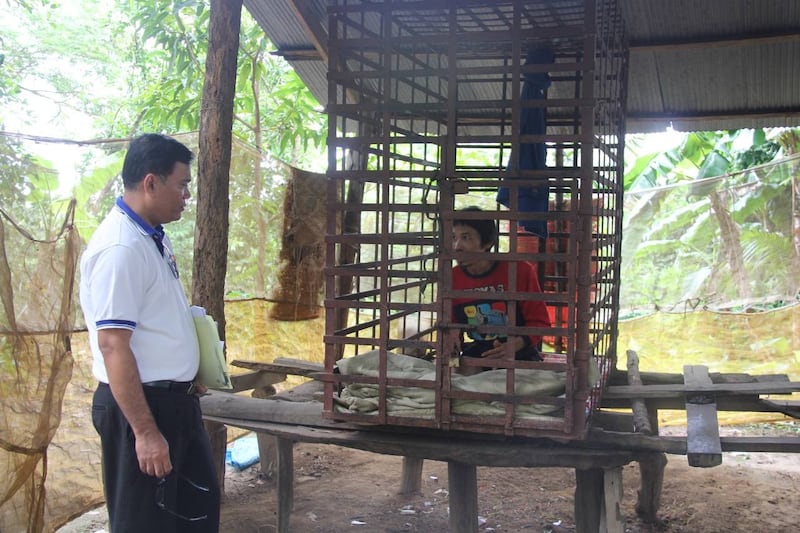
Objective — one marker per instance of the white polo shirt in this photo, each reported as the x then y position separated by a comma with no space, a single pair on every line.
126,282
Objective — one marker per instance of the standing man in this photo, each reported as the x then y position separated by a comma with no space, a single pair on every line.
158,470
486,278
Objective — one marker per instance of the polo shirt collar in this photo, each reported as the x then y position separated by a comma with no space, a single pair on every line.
157,233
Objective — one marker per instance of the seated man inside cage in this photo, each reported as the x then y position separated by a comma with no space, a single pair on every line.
486,277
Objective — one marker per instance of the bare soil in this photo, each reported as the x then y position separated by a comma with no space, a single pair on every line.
342,490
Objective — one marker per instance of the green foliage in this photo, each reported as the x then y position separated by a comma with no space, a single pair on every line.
27,189
672,239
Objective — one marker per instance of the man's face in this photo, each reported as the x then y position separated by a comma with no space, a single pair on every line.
171,194
467,239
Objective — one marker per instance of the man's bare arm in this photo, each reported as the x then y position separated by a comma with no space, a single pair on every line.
152,449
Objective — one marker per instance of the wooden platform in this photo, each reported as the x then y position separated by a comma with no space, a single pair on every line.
611,442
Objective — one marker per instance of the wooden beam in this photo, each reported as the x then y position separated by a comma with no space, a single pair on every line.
282,365
299,54
677,445
313,25
755,39
783,113
439,447
724,403
619,377
255,380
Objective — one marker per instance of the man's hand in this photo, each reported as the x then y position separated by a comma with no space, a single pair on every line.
500,350
152,451
199,388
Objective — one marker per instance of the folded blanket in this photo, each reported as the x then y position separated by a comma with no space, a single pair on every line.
418,401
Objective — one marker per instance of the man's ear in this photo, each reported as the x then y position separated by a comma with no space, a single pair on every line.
148,183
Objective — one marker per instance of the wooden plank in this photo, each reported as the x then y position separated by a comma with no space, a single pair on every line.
664,378
703,447
511,452
724,403
677,445
273,416
676,390
283,365
462,482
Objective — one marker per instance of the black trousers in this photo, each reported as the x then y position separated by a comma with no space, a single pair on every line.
137,502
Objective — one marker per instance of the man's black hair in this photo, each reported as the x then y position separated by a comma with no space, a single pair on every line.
152,153
487,229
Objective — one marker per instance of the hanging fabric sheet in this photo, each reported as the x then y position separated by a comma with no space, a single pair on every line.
532,156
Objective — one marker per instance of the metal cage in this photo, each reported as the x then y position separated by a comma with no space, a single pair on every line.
429,112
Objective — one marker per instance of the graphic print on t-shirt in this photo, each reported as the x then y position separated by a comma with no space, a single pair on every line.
485,314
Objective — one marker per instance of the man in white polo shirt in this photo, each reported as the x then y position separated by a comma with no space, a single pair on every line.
158,470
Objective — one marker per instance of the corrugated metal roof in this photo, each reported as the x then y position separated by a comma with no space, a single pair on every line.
694,64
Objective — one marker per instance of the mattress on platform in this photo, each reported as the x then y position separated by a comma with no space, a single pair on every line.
420,402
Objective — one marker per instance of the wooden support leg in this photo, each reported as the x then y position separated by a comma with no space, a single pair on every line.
218,435
267,444
651,471
463,482
267,454
412,475
589,492
285,483
611,520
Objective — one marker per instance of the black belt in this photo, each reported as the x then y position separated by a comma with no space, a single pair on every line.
183,387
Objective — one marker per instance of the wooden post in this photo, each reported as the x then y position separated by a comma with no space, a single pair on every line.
285,483
462,480
611,519
641,419
589,491
412,475
651,471
267,444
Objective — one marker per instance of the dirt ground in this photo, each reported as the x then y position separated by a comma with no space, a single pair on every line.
339,489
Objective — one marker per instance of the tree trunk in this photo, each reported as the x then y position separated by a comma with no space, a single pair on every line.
731,244
213,178
258,178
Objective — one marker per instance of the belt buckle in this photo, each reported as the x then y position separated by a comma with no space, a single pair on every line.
191,388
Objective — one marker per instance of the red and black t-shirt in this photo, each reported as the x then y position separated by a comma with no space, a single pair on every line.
483,309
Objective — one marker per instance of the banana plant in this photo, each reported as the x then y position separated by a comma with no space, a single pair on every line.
702,219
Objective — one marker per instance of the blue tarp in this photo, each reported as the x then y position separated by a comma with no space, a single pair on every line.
243,452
